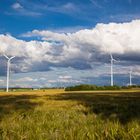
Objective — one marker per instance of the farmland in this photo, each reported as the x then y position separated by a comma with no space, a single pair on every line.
57,115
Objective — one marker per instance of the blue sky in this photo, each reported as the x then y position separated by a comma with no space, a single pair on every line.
64,29
54,14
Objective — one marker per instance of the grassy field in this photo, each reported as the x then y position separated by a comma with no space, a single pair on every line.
60,115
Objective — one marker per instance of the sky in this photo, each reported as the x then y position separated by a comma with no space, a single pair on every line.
68,42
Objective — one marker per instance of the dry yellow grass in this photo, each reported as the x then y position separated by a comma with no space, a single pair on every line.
34,92
61,91
56,114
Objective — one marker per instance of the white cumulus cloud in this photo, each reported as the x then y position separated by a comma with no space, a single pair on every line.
77,49
113,37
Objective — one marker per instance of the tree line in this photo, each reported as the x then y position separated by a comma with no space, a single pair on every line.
95,87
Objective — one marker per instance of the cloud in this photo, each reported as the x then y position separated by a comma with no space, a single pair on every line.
26,79
17,6
19,9
68,76
69,29
44,8
65,77
39,9
1,80
60,7
64,8
79,50
118,38
95,3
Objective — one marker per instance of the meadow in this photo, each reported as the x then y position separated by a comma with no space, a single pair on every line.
59,115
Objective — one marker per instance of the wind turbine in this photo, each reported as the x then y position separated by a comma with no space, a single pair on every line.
112,60
8,70
130,77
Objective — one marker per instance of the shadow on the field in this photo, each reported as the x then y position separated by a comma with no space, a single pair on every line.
122,106
13,103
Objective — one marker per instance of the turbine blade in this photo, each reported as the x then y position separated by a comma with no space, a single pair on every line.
6,56
111,56
115,60
12,57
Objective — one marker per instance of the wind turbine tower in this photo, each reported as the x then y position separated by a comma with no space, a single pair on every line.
130,77
112,61
8,70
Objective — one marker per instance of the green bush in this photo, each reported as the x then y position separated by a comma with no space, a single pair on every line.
94,87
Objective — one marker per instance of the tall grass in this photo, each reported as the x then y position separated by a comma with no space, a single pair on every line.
70,116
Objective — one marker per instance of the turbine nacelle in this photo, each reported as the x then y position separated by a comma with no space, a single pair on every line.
112,59
9,58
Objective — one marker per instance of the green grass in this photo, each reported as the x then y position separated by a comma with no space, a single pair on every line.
52,115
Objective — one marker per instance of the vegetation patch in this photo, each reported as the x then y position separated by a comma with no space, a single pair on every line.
95,87
58,115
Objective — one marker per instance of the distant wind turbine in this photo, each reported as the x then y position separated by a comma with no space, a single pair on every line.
8,70
130,77
112,60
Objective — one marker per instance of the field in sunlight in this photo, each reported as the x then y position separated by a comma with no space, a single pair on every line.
58,115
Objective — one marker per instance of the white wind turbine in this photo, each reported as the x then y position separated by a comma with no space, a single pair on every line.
112,60
8,70
130,77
